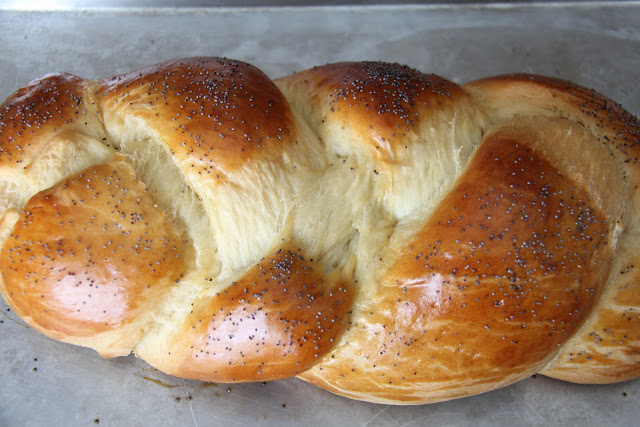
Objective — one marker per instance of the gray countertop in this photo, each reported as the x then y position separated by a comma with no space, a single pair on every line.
595,44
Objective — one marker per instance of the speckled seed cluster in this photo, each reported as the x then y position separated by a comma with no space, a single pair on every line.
52,101
382,103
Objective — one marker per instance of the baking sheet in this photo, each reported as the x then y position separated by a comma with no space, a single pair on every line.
46,382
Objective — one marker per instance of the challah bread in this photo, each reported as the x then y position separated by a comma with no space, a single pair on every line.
387,235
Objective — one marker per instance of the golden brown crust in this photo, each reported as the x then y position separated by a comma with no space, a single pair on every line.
383,105
90,255
48,130
45,105
432,241
614,126
502,273
607,348
274,323
201,108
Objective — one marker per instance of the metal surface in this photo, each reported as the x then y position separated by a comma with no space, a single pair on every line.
47,382
111,4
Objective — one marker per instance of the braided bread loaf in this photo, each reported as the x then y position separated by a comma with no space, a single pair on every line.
384,234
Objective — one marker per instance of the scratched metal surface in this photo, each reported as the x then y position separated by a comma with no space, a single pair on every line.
47,382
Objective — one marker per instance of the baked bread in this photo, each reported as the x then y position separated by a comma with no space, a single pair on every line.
387,235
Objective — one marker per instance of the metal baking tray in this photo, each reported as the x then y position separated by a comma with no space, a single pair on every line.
596,44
